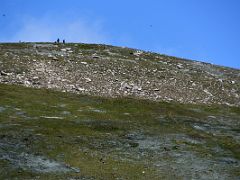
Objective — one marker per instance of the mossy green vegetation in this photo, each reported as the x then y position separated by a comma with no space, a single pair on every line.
52,135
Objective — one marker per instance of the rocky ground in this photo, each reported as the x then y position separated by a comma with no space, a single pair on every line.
109,71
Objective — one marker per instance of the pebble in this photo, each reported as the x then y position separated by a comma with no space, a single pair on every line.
5,74
85,63
88,80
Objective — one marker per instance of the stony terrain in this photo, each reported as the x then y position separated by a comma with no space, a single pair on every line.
109,71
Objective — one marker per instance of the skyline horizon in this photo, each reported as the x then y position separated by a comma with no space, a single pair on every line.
206,31
183,58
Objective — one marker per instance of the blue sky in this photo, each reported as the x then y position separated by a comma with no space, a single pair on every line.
205,30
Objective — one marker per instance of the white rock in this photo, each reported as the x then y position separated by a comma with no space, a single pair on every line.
51,117
95,56
88,79
80,89
135,87
137,53
35,78
27,83
193,84
207,92
213,117
5,74
125,86
179,66
199,127
72,86
85,63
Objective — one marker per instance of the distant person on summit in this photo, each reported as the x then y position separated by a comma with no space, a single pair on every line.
58,40
64,41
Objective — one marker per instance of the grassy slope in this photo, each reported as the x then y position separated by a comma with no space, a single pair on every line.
93,129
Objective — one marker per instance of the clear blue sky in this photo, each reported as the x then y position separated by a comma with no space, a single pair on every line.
205,30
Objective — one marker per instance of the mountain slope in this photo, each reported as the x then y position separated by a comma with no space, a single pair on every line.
46,134
113,72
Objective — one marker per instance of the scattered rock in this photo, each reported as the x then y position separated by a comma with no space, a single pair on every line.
27,83
88,80
207,92
213,117
5,74
136,88
55,58
51,117
159,76
95,56
138,53
38,163
35,78
2,109
80,89
180,66
85,63
125,86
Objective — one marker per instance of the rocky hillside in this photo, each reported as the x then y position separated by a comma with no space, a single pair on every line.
108,71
